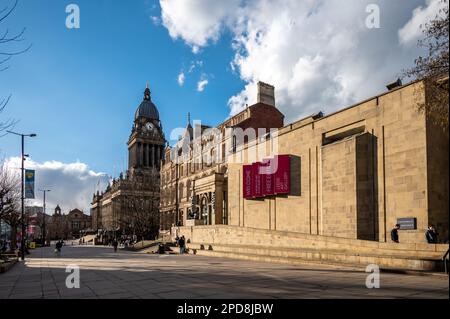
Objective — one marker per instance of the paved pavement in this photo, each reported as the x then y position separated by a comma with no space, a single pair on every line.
105,274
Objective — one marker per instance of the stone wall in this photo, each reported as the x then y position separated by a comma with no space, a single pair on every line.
348,187
234,235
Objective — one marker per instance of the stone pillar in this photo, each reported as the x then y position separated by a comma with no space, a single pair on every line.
144,160
138,154
157,157
141,154
152,157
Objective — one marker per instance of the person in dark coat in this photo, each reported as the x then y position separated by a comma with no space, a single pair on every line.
58,247
394,233
431,235
115,244
181,243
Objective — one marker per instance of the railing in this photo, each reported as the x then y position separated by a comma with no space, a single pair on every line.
445,261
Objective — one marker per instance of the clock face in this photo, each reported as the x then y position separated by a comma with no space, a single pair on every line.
149,126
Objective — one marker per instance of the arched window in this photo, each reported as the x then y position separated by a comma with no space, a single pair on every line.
180,191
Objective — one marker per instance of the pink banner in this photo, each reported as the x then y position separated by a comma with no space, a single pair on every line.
257,180
247,181
267,178
282,176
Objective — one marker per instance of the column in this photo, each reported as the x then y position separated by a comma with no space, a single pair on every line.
144,159
141,155
152,156
147,154
138,154
157,157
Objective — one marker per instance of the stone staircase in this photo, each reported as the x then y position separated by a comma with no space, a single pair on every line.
299,249
88,239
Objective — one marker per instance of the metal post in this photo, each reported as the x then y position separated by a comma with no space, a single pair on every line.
177,205
43,224
22,191
44,233
22,216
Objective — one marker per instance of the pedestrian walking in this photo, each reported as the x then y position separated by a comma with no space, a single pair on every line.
394,233
115,244
182,243
58,247
431,235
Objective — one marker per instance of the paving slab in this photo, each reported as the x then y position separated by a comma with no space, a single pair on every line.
126,274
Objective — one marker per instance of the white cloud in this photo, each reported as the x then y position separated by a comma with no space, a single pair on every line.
201,85
319,55
195,49
155,20
72,184
195,64
411,31
181,78
196,21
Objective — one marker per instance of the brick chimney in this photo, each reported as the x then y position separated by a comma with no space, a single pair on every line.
266,93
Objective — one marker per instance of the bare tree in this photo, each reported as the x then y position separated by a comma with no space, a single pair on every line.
434,68
10,200
140,206
6,53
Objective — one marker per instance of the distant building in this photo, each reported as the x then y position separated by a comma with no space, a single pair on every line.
35,221
351,174
195,172
67,226
130,204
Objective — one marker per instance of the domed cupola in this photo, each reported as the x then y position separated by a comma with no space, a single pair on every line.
147,109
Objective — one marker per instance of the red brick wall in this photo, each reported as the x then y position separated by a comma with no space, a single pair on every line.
263,116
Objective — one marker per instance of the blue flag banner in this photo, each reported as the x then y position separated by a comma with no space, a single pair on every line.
29,183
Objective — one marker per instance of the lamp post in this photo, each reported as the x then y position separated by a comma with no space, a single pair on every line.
43,218
22,191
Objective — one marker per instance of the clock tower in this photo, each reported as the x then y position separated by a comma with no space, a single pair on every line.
146,142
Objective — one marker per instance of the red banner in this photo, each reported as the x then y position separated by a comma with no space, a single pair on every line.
267,178
282,176
271,177
247,182
257,180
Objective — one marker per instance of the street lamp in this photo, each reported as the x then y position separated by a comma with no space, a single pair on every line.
43,222
22,191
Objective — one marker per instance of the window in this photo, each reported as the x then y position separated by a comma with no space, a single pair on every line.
343,132
234,144
76,225
223,153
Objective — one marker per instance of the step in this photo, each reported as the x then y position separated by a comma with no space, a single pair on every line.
236,235
364,251
289,255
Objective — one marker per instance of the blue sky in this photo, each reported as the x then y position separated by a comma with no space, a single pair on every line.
78,89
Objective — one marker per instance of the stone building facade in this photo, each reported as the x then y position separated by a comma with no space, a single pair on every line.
352,174
130,203
194,174
67,226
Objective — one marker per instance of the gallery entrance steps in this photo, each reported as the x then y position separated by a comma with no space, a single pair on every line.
293,247
87,239
303,256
